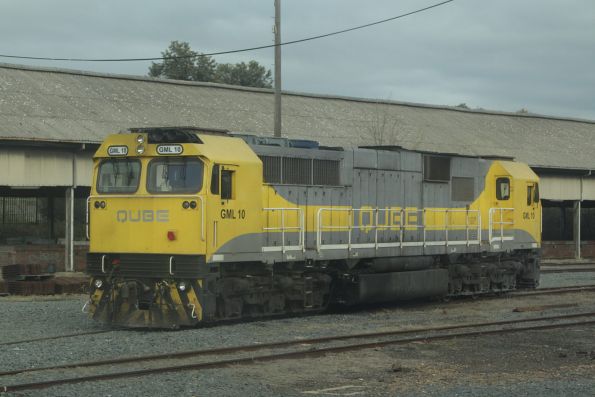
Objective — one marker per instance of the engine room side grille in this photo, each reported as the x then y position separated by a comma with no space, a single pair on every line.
300,171
326,172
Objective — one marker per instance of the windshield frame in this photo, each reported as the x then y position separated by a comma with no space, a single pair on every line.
151,169
120,190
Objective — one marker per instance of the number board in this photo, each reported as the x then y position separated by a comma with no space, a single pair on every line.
170,149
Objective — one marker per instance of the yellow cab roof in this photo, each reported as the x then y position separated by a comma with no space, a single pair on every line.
217,148
519,170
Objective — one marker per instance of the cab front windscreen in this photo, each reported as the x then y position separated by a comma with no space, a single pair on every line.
175,175
118,176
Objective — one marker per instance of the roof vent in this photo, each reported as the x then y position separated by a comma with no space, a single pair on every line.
169,134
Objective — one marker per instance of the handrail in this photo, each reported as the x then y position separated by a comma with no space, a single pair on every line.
188,197
301,246
501,223
402,227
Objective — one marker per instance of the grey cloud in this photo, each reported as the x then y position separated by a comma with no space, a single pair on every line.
500,55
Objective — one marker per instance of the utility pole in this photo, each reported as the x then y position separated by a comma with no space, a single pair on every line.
278,68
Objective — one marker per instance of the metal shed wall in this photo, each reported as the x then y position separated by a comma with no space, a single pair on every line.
566,188
37,168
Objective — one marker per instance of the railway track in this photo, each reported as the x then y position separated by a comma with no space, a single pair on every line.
541,291
293,349
45,338
554,290
590,269
565,267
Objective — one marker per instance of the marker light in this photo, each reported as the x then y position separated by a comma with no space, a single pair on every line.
182,286
171,235
140,139
98,283
140,149
193,204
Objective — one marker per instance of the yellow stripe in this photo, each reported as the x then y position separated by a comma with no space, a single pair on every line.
177,300
194,300
95,299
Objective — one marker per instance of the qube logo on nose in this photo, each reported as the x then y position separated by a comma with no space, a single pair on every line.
142,216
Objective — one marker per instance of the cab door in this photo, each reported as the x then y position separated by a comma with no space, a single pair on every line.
502,214
532,211
234,223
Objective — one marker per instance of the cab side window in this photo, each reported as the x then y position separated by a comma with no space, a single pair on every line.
226,184
532,194
529,194
215,179
502,188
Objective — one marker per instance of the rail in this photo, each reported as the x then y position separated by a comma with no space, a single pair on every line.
499,218
268,351
283,228
472,223
187,197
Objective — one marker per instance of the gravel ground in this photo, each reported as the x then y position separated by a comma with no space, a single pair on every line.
548,363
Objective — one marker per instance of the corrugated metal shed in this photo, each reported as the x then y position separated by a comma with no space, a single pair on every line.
566,188
30,168
70,106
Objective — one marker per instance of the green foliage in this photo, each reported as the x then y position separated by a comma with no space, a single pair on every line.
179,62
249,75
182,63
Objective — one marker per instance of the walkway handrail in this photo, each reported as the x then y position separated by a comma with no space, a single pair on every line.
402,226
498,221
300,228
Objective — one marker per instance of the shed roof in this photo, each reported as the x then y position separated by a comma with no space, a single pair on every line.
57,105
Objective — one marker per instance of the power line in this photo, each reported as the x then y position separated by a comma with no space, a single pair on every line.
231,51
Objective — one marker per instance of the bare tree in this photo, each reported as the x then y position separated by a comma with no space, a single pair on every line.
382,128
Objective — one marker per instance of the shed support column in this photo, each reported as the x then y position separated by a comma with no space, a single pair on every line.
577,229
69,231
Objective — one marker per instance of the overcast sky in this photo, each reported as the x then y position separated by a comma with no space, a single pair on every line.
499,55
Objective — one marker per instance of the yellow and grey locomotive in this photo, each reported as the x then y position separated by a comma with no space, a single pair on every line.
188,227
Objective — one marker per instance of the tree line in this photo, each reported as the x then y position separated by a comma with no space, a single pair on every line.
180,62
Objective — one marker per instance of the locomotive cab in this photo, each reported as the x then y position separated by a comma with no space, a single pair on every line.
162,202
513,206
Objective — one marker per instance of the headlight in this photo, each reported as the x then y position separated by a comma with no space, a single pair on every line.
140,149
140,139
182,286
98,283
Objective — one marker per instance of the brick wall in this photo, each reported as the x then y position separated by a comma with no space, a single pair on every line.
565,249
54,254
50,254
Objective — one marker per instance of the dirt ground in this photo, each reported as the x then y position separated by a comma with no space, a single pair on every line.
545,363
554,362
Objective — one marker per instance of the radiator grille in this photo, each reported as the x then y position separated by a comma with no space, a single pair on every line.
300,171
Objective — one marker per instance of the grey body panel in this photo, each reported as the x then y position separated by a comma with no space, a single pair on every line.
522,240
371,179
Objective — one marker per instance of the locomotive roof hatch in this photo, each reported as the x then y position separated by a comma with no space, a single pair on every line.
168,134
216,146
519,171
